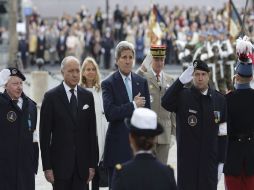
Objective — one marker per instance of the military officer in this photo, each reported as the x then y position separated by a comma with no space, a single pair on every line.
200,115
18,140
158,83
144,171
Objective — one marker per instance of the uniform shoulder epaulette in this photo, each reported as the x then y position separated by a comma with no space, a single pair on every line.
118,167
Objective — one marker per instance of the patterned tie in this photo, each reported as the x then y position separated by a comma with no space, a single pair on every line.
74,104
126,82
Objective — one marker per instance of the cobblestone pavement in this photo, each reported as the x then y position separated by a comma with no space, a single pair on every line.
55,78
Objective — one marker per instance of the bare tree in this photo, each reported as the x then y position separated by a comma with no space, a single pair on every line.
13,39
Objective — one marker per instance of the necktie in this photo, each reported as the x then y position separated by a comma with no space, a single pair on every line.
158,78
73,103
126,82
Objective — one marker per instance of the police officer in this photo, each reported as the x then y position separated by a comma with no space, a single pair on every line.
239,165
144,171
18,140
200,118
158,83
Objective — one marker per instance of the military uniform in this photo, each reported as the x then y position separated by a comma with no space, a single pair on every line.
143,172
197,126
165,118
18,152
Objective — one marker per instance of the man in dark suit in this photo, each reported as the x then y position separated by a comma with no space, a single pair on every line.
68,131
123,91
144,171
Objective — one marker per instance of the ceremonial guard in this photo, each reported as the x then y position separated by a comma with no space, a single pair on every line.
200,120
18,140
239,165
144,171
158,83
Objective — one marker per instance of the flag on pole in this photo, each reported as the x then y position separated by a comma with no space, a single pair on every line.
234,20
157,25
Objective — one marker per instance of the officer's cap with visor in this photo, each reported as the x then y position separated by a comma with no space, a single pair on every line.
158,51
5,75
144,123
200,65
244,63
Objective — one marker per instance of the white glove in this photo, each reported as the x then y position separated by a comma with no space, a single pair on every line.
4,76
220,170
186,76
222,129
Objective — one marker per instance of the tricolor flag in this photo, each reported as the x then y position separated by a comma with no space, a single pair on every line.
157,25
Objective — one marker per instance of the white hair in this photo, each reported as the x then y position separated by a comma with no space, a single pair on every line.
67,59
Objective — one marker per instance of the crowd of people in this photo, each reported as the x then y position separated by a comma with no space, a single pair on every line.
92,34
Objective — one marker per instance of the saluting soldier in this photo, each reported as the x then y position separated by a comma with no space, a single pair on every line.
158,83
200,119
18,140
144,171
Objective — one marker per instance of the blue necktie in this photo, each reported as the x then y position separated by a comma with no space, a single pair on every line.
129,91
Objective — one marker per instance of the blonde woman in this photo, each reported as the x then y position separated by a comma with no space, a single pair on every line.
90,79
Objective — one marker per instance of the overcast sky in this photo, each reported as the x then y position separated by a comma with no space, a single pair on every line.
52,8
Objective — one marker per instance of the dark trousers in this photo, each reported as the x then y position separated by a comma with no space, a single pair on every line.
74,183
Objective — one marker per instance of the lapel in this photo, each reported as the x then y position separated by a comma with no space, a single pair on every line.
63,97
79,98
135,85
120,86
152,79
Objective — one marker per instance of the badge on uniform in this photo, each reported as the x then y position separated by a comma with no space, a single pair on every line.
216,116
11,116
192,120
151,86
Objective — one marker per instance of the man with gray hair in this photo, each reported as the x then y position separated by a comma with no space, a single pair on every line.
68,131
122,92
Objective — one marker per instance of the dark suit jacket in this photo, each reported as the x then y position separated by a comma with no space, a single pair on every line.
65,141
117,107
143,173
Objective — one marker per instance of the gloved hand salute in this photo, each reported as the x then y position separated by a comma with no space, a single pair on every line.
186,76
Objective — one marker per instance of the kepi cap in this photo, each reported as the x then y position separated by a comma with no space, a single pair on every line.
158,50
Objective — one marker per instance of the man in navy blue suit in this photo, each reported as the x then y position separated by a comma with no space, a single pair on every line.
123,91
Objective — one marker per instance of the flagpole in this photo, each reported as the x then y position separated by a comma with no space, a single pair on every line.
243,30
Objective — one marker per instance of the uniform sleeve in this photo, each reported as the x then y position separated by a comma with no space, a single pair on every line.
222,137
170,99
112,111
117,181
147,95
46,123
